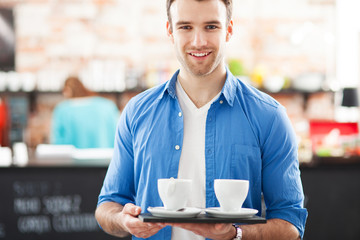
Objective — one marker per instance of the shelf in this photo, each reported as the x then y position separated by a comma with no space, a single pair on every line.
332,162
7,92
293,91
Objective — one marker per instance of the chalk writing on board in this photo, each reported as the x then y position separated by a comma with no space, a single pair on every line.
31,189
75,223
27,205
42,208
34,224
61,204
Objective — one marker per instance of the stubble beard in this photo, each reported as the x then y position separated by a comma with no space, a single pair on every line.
202,69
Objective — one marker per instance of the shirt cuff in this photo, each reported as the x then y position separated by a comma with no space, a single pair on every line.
296,216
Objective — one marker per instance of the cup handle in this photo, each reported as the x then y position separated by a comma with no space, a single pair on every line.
171,188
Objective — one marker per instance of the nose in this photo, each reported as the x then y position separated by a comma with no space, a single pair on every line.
199,39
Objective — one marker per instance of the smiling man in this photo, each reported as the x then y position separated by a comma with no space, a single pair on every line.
203,124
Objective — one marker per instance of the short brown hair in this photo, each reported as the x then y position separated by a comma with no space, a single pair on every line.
228,4
77,87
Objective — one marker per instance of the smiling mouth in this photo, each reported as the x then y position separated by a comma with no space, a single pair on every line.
200,54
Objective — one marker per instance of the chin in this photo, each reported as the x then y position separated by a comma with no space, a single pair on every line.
201,73
205,71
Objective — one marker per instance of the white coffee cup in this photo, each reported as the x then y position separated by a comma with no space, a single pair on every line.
174,193
231,193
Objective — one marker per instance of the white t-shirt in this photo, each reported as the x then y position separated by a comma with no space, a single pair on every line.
192,159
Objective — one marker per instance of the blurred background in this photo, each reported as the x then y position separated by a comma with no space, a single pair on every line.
305,53
118,46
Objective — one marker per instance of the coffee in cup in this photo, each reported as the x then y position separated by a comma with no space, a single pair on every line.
174,193
231,193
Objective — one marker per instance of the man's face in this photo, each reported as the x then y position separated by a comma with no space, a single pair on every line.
199,33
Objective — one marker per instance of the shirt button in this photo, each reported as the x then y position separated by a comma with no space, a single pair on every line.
221,101
180,114
177,147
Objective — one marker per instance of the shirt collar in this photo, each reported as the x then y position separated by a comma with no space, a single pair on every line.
170,86
228,91
229,88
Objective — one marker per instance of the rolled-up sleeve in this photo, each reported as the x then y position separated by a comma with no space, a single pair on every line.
118,184
281,182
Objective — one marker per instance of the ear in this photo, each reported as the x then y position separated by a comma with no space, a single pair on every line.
229,30
169,31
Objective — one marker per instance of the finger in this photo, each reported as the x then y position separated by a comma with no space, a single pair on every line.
132,223
131,209
147,231
152,231
138,226
153,226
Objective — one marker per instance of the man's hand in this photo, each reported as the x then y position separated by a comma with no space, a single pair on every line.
119,220
134,226
273,229
214,231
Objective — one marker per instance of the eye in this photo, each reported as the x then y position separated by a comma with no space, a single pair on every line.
185,27
211,27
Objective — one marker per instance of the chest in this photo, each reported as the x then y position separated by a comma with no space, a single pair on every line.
230,141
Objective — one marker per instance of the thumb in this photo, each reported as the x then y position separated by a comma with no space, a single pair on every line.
132,209
136,211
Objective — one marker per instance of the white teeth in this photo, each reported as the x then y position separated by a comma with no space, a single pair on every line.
199,54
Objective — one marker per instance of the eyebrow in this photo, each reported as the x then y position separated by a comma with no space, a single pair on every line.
215,22
182,23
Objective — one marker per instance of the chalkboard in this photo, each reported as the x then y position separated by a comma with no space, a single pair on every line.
50,203
332,198
58,203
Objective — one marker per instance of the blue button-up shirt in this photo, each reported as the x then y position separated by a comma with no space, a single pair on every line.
248,136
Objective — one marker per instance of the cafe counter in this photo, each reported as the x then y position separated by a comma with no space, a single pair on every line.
332,197
58,202
50,202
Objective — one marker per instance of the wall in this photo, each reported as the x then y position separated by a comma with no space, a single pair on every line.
107,40
117,44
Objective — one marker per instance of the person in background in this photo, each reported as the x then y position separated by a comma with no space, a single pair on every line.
203,124
84,119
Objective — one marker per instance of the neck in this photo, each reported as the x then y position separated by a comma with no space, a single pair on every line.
202,89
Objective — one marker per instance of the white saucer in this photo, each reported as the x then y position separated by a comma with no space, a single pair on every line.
162,212
242,213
